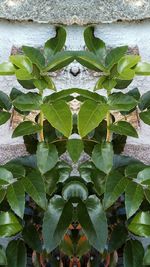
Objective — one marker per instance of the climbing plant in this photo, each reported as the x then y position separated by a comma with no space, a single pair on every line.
75,200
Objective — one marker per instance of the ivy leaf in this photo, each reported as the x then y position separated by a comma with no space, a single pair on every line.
133,198
57,219
5,101
133,254
59,116
16,254
26,128
7,68
34,186
75,189
16,198
102,157
90,115
92,218
4,117
27,102
124,128
145,116
9,225
140,225
115,186
47,157
34,55
121,102
75,148
115,55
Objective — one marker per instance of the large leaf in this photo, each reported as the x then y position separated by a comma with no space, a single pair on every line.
92,218
32,238
47,157
6,176
75,189
16,254
114,56
9,225
90,115
5,101
16,198
94,44
102,156
34,55
27,102
125,66
115,186
143,68
75,148
7,68
55,44
145,116
22,62
124,128
26,128
121,102
89,60
133,254
59,116
4,117
59,61
118,238
34,186
133,198
140,225
57,219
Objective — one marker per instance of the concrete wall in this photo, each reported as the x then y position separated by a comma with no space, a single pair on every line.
16,29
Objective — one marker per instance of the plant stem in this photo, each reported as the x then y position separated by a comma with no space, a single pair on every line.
108,119
41,119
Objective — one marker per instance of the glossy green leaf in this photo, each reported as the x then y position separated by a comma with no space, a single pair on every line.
32,238
4,117
7,68
135,93
133,254
3,259
59,116
5,101
59,61
23,75
26,128
9,224
102,157
98,178
118,238
146,259
124,128
17,170
115,55
115,186
122,84
45,82
16,254
121,102
90,115
94,44
143,68
57,219
144,101
132,170
140,225
92,218
6,176
47,157
16,198
27,102
34,186
144,176
75,189
125,66
27,84
55,44
34,55
75,148
145,117
22,62
133,198
89,60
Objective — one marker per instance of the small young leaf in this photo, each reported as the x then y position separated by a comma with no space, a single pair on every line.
26,128
124,128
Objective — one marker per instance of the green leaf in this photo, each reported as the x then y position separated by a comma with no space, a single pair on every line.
115,55
75,148
47,157
16,254
124,128
17,170
7,68
146,259
44,82
23,75
32,238
125,66
121,102
27,84
16,198
90,115
83,247
144,101
27,102
2,194
118,238
55,44
92,218
115,186
140,225
6,177
109,84
9,225
4,117
59,61
89,60
133,198
34,55
133,254
132,170
94,44
5,101
75,189
122,84
22,62
57,219
144,176
145,117
59,116
98,178
26,128
143,68
34,186
102,157
3,259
